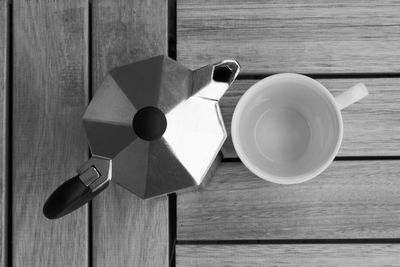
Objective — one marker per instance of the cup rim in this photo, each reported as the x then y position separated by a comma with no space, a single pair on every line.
254,89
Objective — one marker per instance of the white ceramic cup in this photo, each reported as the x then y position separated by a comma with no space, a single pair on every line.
287,128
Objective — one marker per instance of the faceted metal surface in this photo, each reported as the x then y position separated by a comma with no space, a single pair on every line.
108,120
194,134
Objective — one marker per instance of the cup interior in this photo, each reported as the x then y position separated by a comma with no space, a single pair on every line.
286,128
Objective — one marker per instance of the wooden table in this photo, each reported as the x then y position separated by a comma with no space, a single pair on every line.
55,53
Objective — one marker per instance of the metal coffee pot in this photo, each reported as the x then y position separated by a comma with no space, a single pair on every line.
154,127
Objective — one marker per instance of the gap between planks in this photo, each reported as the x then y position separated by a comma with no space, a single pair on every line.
377,75
90,95
289,241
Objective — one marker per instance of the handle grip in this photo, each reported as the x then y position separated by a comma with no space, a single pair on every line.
351,95
68,197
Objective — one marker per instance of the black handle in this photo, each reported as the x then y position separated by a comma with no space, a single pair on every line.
70,196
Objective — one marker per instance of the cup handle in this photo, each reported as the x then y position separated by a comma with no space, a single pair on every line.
351,95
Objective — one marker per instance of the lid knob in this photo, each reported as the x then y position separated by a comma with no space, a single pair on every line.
149,123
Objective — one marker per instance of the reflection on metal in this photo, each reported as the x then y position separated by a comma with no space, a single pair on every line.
194,134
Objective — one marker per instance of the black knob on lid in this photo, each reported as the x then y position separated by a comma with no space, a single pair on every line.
149,123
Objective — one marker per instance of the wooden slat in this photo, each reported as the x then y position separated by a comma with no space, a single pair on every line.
371,127
288,255
291,36
128,231
49,96
4,49
351,199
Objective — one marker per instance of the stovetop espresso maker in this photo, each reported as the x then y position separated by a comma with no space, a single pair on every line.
154,127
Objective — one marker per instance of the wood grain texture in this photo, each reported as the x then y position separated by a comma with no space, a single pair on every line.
351,199
49,95
288,255
128,231
371,127
291,36
4,90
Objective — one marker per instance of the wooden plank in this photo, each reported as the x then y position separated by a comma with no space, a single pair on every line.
286,36
351,199
4,57
128,231
371,127
49,95
289,255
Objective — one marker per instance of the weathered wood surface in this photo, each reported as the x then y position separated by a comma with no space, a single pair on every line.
128,231
4,56
351,199
288,255
48,144
291,36
371,127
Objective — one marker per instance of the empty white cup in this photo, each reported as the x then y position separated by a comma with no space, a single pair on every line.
287,128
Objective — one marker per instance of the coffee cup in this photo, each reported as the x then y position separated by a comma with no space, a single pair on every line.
288,128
